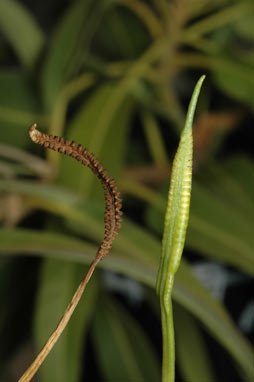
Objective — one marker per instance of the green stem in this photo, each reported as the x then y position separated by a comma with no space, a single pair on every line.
71,90
146,14
216,20
20,117
154,139
168,358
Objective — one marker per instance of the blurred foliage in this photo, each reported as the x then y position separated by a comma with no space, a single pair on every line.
116,76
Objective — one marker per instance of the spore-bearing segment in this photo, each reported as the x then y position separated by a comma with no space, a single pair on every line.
112,216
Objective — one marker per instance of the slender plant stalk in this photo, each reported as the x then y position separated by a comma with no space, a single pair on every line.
112,220
33,368
168,351
175,225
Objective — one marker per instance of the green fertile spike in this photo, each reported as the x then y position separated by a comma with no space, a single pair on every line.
177,212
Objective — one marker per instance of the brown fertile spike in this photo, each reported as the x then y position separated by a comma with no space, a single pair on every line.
112,219
112,196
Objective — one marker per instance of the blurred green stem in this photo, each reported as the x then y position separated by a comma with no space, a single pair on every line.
71,90
162,7
121,90
146,15
36,164
219,19
154,139
224,65
20,117
139,190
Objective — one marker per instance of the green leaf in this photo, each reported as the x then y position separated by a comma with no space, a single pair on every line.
229,242
244,27
214,317
218,19
47,193
138,257
18,107
99,135
223,213
14,273
141,347
188,291
26,163
117,360
216,226
57,246
237,80
22,31
70,38
192,353
121,35
154,139
124,352
232,182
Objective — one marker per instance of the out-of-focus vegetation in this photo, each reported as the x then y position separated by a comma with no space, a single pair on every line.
116,76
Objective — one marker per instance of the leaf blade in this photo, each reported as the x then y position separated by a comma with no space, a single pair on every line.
18,25
188,291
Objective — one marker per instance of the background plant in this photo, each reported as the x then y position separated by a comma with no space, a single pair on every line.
117,77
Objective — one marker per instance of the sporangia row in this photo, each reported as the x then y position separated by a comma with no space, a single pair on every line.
112,216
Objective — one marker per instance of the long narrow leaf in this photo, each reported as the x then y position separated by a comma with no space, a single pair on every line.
61,55
195,365
113,345
21,30
188,291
